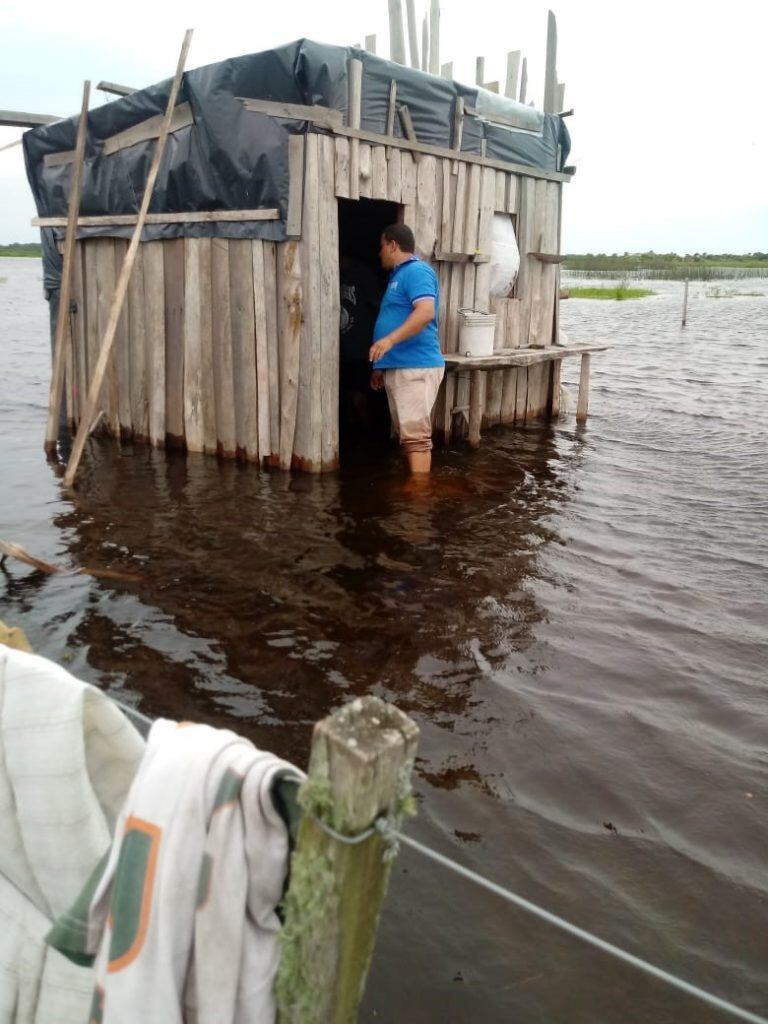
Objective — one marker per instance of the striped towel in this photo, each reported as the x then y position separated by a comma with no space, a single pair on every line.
181,916
67,758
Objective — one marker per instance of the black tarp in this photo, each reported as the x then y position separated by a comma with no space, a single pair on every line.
235,159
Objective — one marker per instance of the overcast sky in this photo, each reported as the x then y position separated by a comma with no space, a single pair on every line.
669,133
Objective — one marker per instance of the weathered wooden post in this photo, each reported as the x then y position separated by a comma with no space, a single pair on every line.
583,403
359,771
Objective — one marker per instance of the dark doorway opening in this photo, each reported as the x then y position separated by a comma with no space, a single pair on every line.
363,413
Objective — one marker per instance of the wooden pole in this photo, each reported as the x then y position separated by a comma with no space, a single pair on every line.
354,107
413,43
425,44
476,405
685,304
370,44
479,70
396,40
550,78
434,37
359,771
523,80
446,70
125,273
583,405
62,323
513,67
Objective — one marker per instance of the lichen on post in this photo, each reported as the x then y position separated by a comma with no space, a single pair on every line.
359,771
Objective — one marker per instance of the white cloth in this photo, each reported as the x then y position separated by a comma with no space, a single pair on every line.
184,918
67,757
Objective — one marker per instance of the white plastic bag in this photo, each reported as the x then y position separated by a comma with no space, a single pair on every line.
505,256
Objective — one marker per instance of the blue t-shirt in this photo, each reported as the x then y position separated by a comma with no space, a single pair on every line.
412,280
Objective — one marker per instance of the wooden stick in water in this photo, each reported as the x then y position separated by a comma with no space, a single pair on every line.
125,273
8,550
62,323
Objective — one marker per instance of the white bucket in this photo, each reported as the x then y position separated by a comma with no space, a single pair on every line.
476,333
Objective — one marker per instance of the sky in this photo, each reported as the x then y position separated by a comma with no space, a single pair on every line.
668,131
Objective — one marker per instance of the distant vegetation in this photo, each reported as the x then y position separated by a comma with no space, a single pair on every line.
21,249
668,266
618,293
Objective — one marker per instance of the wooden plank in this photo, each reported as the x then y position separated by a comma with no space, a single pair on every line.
519,356
479,71
426,207
476,406
391,107
80,320
138,373
122,353
61,337
523,81
91,322
321,117
455,300
308,438
493,397
549,270
508,395
447,200
194,431
560,101
521,393
117,90
513,67
223,373
484,241
208,397
554,405
409,188
173,280
295,185
289,319
446,70
19,119
472,215
394,175
342,167
458,124
407,123
354,106
538,375
582,407
379,172
413,45
461,408
513,337
500,194
190,217
154,297
512,193
425,44
244,348
366,159
105,291
330,311
148,129
525,228
370,44
396,38
444,423
262,349
460,207
270,297
550,74
434,37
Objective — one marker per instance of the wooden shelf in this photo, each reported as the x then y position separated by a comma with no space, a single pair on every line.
546,257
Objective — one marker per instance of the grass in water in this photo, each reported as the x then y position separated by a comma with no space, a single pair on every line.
619,293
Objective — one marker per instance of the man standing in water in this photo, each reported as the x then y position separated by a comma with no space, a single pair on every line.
406,355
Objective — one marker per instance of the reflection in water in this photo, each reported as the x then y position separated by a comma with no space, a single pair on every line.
575,618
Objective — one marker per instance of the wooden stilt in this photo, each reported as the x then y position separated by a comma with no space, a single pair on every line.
476,406
583,404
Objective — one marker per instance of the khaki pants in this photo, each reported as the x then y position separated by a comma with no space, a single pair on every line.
411,395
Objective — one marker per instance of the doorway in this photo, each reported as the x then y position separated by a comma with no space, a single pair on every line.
363,413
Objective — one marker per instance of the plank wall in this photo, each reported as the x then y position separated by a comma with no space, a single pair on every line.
231,346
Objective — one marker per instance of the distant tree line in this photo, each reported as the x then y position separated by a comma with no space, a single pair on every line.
651,260
21,249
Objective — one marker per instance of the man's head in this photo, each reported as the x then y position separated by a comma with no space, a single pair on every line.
397,245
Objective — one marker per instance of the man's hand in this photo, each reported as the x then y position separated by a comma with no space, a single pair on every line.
377,380
380,348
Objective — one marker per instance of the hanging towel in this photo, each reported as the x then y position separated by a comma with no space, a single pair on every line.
182,915
67,758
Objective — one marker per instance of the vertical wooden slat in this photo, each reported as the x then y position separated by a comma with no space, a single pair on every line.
446,70
434,37
549,271
379,172
122,351
512,193
391,108
92,335
354,106
173,275
194,428
582,407
460,208
409,188
342,167
139,373
223,374
262,349
396,37
554,405
270,298
394,175
500,194
523,81
508,395
244,348
80,320
525,227
550,77
427,207
366,160
455,301
536,268
513,66
68,377
308,441
154,294
289,320
105,288
485,227
521,393
328,224
493,397
206,347
472,209
295,185
413,45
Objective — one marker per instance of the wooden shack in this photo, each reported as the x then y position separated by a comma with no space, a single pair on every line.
228,342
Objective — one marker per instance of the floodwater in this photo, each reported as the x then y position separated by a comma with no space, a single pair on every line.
576,618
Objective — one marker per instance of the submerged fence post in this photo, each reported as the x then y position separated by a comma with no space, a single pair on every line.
685,303
359,770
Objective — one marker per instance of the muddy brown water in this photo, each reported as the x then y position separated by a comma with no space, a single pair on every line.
576,618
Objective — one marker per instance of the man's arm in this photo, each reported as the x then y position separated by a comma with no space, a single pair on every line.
423,311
